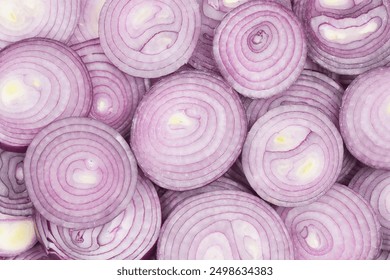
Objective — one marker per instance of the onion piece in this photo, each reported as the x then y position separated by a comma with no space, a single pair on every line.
128,236
80,173
115,94
53,19
41,81
35,253
188,130
224,225
365,118
16,235
149,39
259,48
374,186
339,225
292,155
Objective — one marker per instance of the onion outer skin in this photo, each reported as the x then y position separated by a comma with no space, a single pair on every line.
214,213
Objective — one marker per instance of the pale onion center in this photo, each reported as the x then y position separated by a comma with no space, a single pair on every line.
339,4
19,174
103,105
85,177
179,120
232,3
247,234
16,235
288,139
18,14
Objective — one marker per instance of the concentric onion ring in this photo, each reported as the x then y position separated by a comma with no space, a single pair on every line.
80,173
41,81
188,130
152,38
224,225
292,155
339,225
365,118
259,48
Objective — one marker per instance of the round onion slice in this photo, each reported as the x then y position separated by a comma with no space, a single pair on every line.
115,94
339,225
292,155
53,19
80,173
151,38
365,118
14,199
259,48
188,130
35,253
312,88
224,225
41,81
130,235
374,186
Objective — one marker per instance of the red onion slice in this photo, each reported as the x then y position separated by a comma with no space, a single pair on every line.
115,94
188,130
224,225
80,173
340,225
53,19
365,118
14,199
130,235
260,49
41,81
292,155
35,253
150,38
374,186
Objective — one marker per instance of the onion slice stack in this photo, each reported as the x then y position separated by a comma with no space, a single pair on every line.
130,235
292,155
149,39
340,225
224,225
188,130
260,48
80,173
374,186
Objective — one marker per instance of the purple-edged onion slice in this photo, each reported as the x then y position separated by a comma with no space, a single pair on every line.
292,155
365,118
223,225
130,235
374,186
41,81
35,253
340,225
188,130
80,173
150,38
260,48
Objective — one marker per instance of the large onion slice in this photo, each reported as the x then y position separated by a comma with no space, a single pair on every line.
292,155
41,81
188,130
149,38
80,173
339,225
259,48
224,225
365,118
374,186
130,235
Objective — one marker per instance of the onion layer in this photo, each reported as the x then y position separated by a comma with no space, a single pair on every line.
80,173
292,155
224,225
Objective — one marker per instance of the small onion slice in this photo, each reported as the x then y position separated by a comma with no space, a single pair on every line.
365,118
151,38
128,236
292,155
35,253
188,130
260,49
224,225
80,173
41,81
340,225
374,186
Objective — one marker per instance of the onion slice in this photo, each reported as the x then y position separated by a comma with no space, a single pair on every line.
224,225
80,173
